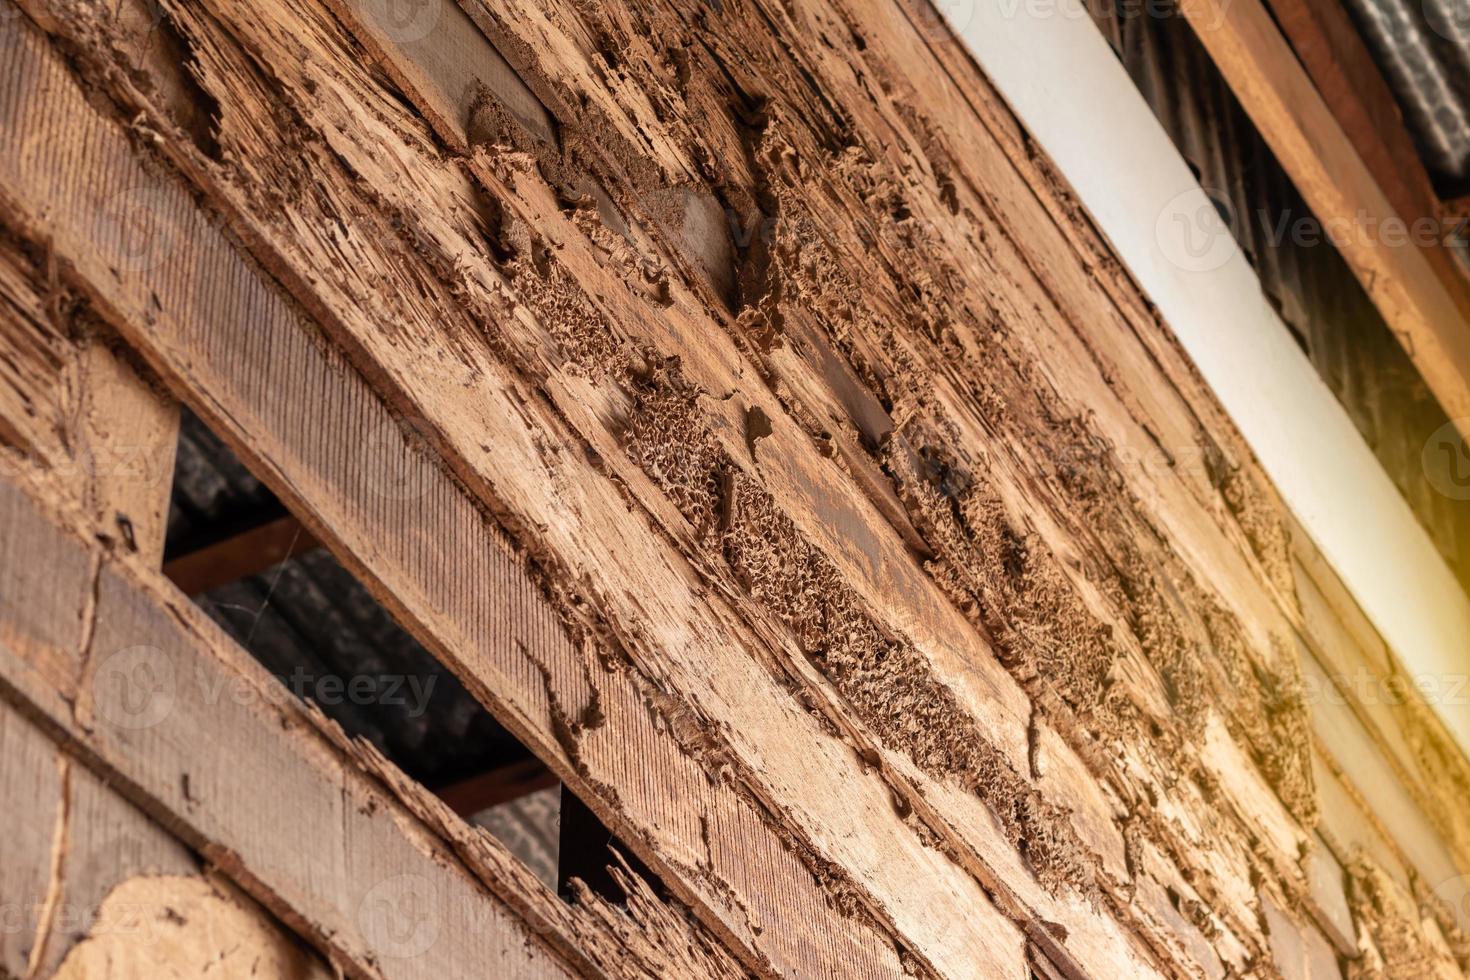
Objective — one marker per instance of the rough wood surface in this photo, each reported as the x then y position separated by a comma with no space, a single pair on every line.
93,888
369,867
126,434
79,406
817,499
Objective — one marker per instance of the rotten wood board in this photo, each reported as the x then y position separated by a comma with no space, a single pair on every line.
399,487
563,245
397,886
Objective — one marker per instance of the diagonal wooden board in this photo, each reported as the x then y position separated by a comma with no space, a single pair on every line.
360,861
440,416
1421,293
219,348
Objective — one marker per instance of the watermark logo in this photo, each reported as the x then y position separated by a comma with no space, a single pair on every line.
1366,687
1455,892
403,21
395,459
134,688
1450,19
1446,460
134,230
1193,231
943,20
397,917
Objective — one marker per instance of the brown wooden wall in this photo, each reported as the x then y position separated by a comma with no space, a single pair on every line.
734,398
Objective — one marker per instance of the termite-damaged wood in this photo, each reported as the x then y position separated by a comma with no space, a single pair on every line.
704,836
1077,708
360,861
80,408
93,887
994,855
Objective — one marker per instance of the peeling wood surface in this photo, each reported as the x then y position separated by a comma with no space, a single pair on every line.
822,503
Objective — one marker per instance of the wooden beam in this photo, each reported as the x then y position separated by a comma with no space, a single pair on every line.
387,516
241,556
850,813
1423,302
470,796
372,870
1342,68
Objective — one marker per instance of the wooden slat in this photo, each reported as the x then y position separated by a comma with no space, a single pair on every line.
32,827
189,727
247,553
470,796
1342,68
1427,308
483,616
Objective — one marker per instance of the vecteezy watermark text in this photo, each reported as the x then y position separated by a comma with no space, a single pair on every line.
141,686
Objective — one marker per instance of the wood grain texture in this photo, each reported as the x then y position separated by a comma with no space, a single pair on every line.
370,868
93,888
876,560
125,434
1324,38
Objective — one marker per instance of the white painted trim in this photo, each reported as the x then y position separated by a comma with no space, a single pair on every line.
1063,80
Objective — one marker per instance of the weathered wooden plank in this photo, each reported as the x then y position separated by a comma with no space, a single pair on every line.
625,707
449,68
378,873
1425,307
1377,721
1365,765
193,741
48,626
957,807
124,435
32,828
239,320
543,218
92,887
73,405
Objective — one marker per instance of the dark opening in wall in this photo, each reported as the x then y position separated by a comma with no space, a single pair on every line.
236,550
